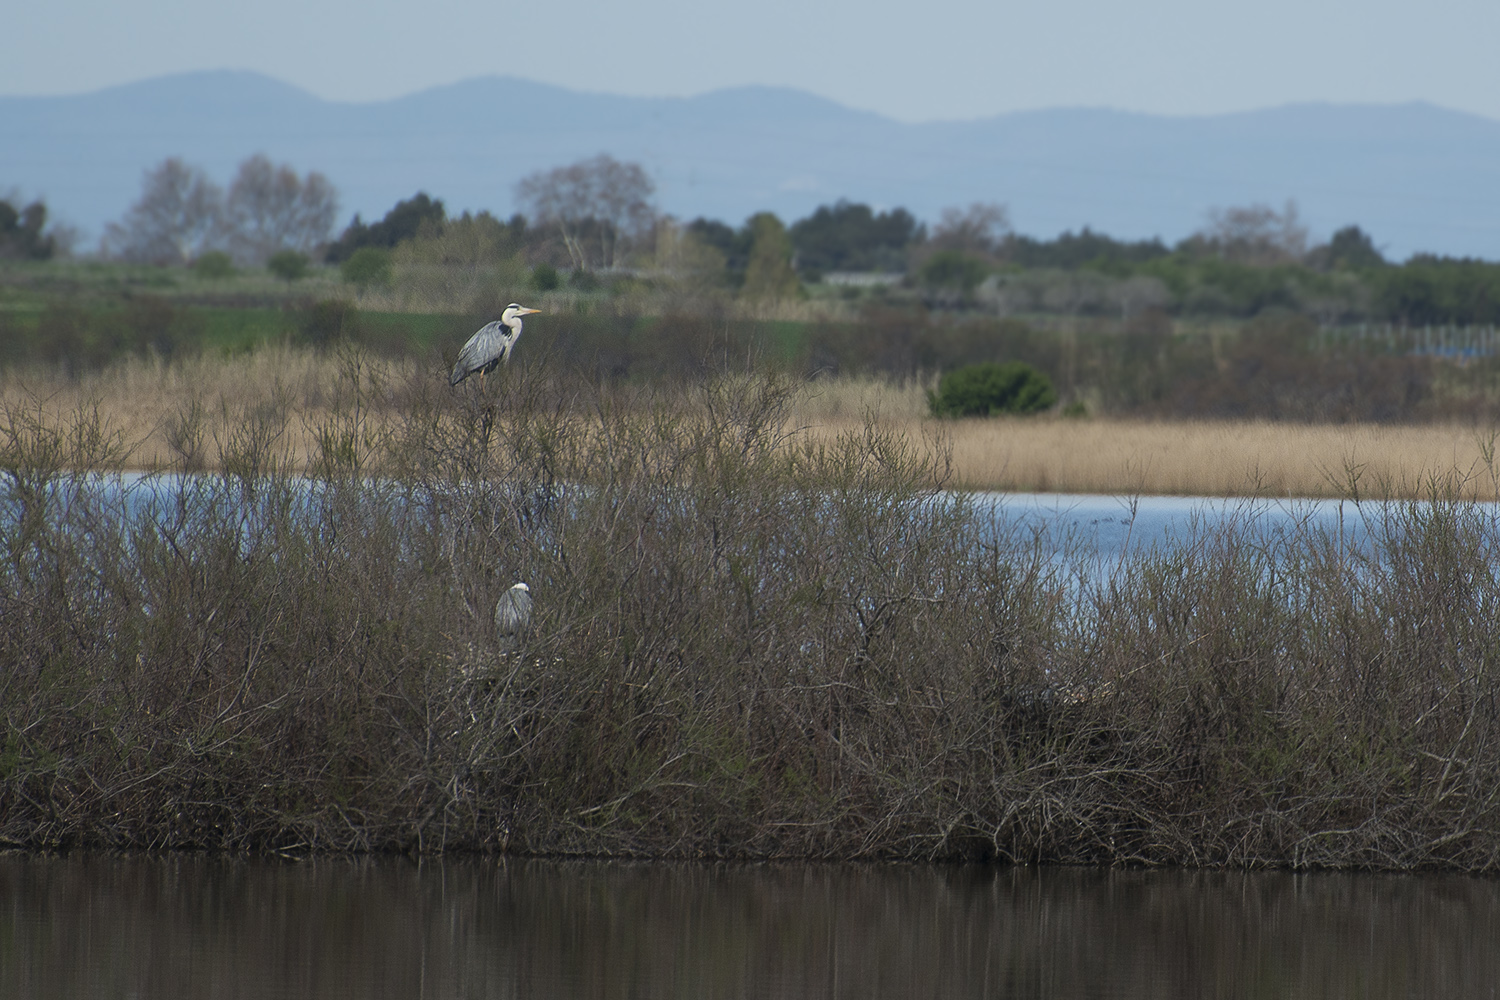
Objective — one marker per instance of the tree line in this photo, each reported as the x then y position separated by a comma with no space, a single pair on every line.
598,217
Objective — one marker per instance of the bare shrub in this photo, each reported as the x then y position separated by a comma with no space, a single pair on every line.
747,642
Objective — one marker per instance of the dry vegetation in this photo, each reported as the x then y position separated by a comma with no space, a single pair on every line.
750,642
145,401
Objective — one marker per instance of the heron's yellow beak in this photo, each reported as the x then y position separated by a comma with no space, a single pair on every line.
528,312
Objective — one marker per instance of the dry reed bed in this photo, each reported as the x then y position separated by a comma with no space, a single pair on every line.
144,400
746,645
1223,459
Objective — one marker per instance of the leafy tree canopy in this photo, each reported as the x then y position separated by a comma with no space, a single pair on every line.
953,269
1352,247
288,265
733,243
1085,248
403,222
769,274
1432,289
21,232
848,236
367,266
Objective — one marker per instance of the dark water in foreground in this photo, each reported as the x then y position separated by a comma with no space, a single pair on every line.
95,925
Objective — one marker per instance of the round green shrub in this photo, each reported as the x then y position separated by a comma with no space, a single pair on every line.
288,265
953,269
989,389
324,323
544,277
367,266
213,264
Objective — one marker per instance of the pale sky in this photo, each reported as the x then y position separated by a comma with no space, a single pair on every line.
939,59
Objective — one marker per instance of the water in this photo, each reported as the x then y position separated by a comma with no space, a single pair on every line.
100,925
1102,525
1108,525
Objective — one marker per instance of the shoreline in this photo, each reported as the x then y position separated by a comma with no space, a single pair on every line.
187,413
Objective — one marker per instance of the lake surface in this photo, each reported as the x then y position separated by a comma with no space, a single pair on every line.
1114,524
103,925
1100,525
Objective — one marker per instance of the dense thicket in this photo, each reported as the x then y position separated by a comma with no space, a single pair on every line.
852,237
403,222
1085,248
746,645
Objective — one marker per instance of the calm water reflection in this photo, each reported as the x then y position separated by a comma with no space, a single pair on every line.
90,925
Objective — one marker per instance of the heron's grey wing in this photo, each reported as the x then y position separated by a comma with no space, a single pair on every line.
512,613
482,348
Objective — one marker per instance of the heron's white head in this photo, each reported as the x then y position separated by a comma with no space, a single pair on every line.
521,587
513,313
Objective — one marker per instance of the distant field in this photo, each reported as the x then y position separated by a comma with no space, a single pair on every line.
143,400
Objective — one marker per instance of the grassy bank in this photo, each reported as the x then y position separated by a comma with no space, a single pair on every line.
751,641
160,408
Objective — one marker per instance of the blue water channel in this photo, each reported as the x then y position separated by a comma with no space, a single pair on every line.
1095,525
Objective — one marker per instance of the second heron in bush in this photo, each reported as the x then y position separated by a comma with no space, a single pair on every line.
513,615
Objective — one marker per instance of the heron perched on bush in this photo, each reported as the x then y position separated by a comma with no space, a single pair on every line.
491,346
513,615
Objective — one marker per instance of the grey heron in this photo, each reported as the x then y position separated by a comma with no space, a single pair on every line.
491,345
513,615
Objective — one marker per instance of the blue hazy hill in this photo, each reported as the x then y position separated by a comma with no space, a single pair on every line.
1416,176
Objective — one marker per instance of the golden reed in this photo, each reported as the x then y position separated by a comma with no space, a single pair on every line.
140,399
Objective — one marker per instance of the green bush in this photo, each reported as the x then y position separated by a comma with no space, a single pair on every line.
953,269
213,264
367,266
324,323
288,265
989,389
544,277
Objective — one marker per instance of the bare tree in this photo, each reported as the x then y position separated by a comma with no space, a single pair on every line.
680,254
1253,234
176,218
600,206
980,228
270,209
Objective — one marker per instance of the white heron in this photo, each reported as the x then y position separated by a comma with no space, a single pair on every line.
513,615
491,346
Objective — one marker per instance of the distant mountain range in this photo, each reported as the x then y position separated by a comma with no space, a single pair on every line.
1415,176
